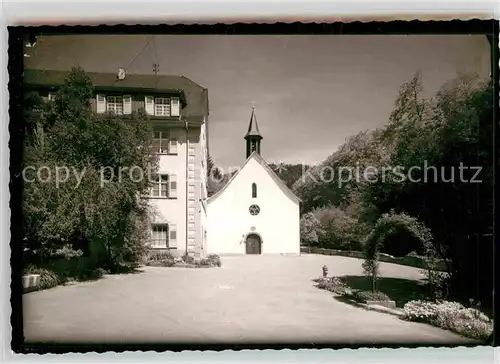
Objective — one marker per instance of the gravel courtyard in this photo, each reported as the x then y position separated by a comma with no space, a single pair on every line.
250,299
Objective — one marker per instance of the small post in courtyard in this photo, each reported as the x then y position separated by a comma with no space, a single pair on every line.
325,271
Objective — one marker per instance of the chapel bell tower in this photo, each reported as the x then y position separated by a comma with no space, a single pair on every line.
253,136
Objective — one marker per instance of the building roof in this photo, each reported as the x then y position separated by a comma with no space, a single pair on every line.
292,196
194,96
253,127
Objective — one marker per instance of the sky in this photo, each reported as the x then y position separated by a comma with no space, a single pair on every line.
310,92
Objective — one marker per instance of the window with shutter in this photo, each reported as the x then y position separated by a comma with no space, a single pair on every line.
114,105
159,236
162,106
175,111
160,186
101,104
149,105
127,104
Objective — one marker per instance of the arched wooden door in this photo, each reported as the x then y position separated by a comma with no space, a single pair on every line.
253,244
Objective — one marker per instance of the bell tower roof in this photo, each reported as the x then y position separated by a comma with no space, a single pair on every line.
253,136
253,127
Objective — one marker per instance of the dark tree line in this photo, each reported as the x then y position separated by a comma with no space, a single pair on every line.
449,139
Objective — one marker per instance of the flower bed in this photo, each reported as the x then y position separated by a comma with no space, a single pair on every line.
451,316
332,284
161,259
166,259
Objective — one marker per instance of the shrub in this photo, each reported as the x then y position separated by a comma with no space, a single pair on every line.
214,259
364,296
420,311
48,278
203,263
339,231
332,284
188,259
91,274
414,254
451,316
160,259
310,229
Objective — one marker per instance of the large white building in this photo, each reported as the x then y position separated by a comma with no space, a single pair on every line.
178,110
255,212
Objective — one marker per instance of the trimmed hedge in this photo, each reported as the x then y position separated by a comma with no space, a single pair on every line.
409,260
365,296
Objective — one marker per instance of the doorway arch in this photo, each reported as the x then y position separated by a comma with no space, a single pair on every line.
253,244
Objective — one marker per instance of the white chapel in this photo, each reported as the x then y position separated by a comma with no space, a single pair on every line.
255,212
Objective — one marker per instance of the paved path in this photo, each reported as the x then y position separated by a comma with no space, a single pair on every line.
250,299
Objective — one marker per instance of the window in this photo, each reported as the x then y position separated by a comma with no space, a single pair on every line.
159,236
254,210
162,106
163,144
254,145
160,186
164,186
254,190
119,105
160,142
115,105
51,96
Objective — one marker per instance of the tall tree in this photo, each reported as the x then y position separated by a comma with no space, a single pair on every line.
289,173
92,204
448,146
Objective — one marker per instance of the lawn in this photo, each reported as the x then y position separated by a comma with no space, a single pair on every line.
399,290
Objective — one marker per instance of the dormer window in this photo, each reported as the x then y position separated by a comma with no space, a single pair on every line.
115,105
119,105
162,106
